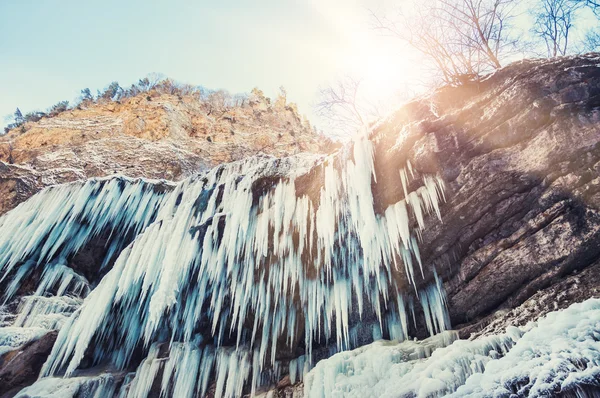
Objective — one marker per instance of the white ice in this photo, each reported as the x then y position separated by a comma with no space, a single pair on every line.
11,338
559,353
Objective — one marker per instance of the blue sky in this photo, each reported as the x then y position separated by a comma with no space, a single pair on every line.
51,49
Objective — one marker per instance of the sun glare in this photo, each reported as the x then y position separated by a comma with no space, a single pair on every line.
386,71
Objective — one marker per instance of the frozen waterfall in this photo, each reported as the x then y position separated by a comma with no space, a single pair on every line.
220,278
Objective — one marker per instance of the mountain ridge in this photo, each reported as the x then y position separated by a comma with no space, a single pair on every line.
152,134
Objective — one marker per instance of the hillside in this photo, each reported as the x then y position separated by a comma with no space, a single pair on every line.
153,135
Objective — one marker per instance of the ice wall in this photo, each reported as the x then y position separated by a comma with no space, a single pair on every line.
231,269
54,224
38,238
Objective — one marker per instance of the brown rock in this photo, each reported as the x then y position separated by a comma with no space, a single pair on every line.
21,367
520,157
165,138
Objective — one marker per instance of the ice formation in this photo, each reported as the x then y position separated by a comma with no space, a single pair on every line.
53,225
90,387
559,353
227,270
42,233
14,337
45,312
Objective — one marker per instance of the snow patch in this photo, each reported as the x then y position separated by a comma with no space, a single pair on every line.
560,352
11,338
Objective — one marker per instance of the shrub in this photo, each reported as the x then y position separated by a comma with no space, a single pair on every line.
58,108
34,116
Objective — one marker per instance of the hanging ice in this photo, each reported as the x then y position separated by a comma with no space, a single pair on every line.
238,251
60,220
45,312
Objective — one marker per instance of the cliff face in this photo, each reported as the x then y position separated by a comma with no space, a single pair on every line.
151,135
477,206
520,155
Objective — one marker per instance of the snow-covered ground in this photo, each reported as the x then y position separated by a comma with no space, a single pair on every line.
558,353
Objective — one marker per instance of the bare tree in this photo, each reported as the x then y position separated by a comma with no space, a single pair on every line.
554,21
462,38
154,79
217,102
187,89
592,41
594,5
343,108
240,99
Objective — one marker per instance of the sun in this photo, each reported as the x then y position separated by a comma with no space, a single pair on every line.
385,69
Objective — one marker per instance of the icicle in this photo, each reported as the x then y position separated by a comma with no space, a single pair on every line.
64,279
60,220
433,301
45,312
144,376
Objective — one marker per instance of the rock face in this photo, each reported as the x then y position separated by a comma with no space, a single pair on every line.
520,155
151,135
20,368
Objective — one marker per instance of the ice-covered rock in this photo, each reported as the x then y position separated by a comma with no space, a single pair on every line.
237,249
89,387
15,337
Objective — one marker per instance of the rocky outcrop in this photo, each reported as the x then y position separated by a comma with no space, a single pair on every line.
21,367
520,155
574,288
151,135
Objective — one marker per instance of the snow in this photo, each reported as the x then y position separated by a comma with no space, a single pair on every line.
12,338
92,387
558,353
256,267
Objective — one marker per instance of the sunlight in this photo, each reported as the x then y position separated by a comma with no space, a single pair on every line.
389,72
384,75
